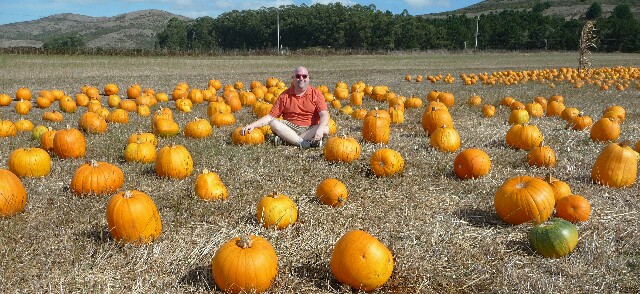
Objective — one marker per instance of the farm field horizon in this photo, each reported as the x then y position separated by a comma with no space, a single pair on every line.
444,232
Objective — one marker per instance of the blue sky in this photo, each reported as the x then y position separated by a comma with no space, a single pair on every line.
25,10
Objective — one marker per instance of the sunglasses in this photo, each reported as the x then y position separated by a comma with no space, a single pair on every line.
299,76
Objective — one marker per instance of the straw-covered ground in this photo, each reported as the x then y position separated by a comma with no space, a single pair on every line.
444,233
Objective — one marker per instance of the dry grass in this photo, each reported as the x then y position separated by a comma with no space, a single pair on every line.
443,232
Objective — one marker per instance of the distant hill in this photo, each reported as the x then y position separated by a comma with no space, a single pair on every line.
569,9
134,30
137,30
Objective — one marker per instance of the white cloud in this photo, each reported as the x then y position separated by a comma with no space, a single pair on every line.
344,2
425,3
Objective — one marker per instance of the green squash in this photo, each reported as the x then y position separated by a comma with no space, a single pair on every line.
554,238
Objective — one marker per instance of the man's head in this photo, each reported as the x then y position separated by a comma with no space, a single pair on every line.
300,78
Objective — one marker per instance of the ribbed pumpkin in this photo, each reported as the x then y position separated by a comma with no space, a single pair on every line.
29,162
560,188
276,211
524,136
174,161
13,196
342,149
386,162
606,129
97,178
488,110
8,128
361,261
221,119
143,137
46,139
246,264
581,122
210,187
471,163
616,166
332,192
522,199
376,127
165,127
445,139
132,217
434,118
69,143
143,152
92,123
198,129
541,156
252,138
573,208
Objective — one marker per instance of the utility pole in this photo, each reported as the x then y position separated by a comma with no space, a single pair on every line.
278,26
477,21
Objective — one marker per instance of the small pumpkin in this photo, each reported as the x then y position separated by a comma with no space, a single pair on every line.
541,156
198,129
29,162
277,211
471,163
143,152
132,217
573,208
174,161
252,138
445,138
210,187
69,143
246,264
361,261
524,136
13,196
342,149
553,239
522,199
96,178
332,192
560,188
606,129
386,162
92,123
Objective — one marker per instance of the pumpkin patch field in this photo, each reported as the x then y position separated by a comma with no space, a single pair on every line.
444,173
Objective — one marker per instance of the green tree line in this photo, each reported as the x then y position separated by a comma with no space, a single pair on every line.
359,27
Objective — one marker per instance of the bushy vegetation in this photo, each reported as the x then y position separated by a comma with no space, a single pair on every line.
357,27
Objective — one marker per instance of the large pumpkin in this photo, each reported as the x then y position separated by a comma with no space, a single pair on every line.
471,163
342,149
555,238
29,162
13,196
97,177
246,264
606,129
332,192
174,162
522,199
276,211
386,162
132,217
616,166
361,261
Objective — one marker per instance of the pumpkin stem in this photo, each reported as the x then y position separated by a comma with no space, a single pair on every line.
548,178
625,143
205,171
244,241
128,194
93,163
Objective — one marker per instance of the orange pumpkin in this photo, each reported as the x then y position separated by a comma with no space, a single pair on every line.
522,199
471,163
361,261
174,161
13,196
69,143
96,178
386,162
332,192
276,211
573,208
132,217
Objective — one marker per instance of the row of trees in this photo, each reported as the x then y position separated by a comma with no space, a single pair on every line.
360,27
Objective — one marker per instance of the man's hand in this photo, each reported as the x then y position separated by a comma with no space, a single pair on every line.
247,129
